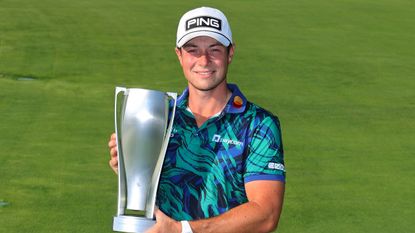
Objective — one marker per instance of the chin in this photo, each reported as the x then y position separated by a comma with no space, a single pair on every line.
207,86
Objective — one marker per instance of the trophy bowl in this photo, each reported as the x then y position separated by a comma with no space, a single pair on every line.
143,126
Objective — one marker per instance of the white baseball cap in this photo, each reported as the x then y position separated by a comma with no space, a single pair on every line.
204,21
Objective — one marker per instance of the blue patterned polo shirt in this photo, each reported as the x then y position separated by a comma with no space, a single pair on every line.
206,167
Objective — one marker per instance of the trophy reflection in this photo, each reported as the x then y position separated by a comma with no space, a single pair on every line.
143,126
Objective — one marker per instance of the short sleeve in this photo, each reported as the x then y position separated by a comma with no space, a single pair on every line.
265,155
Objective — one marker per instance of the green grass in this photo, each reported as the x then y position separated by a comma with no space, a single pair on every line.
339,74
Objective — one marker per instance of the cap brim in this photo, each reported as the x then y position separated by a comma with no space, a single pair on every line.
215,35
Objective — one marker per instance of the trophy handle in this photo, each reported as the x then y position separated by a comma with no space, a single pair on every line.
151,198
121,173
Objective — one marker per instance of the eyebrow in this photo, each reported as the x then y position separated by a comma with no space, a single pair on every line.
216,44
187,45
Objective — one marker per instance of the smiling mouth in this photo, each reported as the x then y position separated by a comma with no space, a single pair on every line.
204,72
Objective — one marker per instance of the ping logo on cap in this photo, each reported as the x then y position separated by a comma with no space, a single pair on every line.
204,21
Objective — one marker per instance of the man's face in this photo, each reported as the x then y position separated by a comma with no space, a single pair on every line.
205,62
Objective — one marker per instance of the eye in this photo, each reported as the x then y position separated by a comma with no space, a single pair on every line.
215,52
216,49
192,51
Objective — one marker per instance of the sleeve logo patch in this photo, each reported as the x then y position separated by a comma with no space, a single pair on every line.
276,166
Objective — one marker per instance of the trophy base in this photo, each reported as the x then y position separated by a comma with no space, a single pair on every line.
132,224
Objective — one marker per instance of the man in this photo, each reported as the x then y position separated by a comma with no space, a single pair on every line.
224,167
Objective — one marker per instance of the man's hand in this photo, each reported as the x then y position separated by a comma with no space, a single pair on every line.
164,224
112,145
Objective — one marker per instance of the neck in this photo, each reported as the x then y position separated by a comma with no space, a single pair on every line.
205,104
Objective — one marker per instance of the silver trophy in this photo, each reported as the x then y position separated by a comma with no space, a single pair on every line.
143,130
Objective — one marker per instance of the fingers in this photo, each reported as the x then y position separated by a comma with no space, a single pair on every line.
165,224
113,152
114,161
112,145
113,141
114,164
158,213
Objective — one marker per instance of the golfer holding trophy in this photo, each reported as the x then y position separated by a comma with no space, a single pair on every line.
211,160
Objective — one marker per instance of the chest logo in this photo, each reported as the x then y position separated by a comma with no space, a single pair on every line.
218,138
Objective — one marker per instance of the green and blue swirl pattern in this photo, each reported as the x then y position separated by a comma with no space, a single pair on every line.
205,168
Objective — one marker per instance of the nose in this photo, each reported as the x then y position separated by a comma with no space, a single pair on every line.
204,59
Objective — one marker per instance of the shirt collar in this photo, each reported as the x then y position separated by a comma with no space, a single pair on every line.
236,104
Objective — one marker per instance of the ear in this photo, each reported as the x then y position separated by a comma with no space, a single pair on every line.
179,54
231,52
